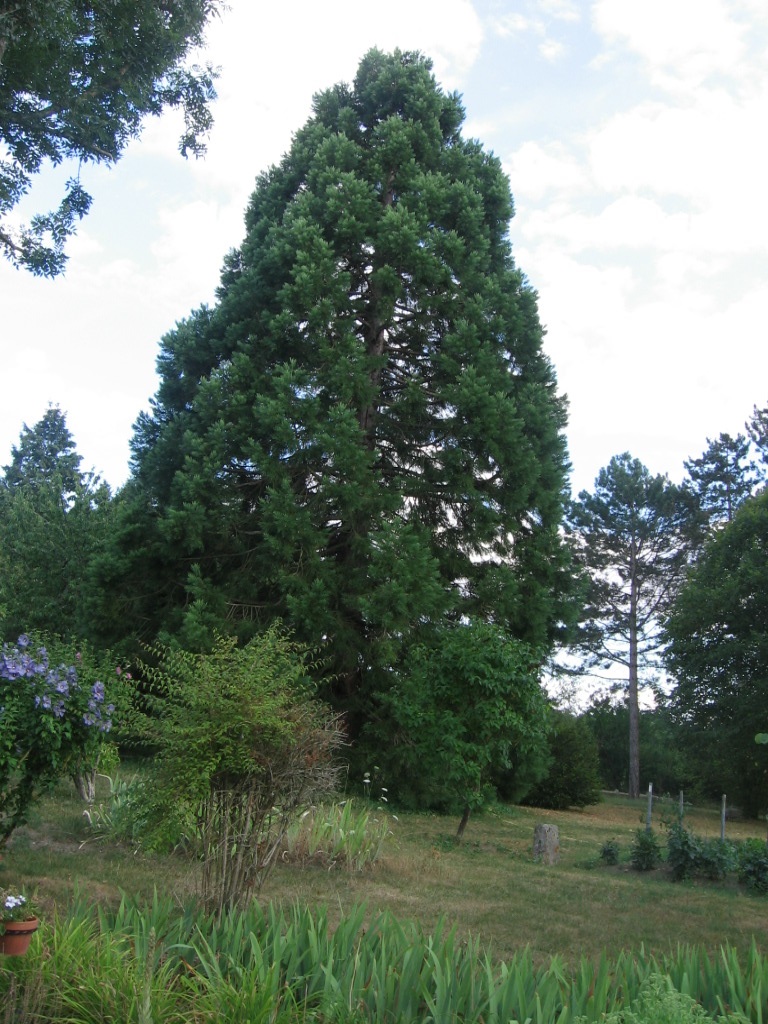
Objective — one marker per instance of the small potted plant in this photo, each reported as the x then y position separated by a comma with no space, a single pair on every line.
18,922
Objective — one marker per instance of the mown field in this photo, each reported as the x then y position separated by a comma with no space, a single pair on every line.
488,886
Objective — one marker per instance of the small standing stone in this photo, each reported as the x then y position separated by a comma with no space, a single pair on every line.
546,844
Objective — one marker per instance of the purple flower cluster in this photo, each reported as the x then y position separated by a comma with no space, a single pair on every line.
95,713
55,689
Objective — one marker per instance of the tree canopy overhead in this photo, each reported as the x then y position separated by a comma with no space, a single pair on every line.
77,78
364,433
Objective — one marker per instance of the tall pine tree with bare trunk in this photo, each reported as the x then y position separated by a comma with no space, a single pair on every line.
633,537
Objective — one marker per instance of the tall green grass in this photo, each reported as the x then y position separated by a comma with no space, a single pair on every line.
161,963
345,834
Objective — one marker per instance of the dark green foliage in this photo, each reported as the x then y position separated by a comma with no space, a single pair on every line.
683,852
723,478
54,519
468,697
76,81
718,653
632,538
645,854
609,852
753,865
757,429
718,857
364,435
691,856
573,778
663,761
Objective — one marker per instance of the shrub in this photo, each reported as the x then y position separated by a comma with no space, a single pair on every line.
659,1003
53,721
717,858
242,744
752,865
683,852
573,778
609,853
645,854
469,697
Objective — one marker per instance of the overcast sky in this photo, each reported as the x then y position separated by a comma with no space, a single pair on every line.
634,135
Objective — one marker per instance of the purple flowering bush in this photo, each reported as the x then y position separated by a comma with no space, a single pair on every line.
53,722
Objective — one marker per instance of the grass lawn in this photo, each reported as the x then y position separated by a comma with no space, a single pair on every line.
488,885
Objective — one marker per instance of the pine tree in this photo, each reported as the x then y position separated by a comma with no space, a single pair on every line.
757,429
53,517
633,538
364,433
723,478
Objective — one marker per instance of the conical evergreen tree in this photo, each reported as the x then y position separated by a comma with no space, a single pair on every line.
364,434
53,518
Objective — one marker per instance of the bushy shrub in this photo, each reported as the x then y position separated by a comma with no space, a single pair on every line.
573,778
244,745
660,1003
609,853
645,854
752,865
468,698
689,855
54,716
683,852
717,858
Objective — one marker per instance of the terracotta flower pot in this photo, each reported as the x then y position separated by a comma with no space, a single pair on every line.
17,936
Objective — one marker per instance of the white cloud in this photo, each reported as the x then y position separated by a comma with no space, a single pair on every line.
537,170
682,43
551,50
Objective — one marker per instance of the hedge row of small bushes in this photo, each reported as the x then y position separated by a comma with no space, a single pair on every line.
691,856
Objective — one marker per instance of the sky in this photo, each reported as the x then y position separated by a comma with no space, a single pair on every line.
634,136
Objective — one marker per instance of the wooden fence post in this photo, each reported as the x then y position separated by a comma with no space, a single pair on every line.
650,808
722,818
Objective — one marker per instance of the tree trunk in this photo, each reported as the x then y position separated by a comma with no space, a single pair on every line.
632,694
85,784
463,822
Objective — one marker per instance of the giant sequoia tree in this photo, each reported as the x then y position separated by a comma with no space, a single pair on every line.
364,434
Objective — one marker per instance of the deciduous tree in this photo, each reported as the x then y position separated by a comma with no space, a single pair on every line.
718,653
467,700
77,79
